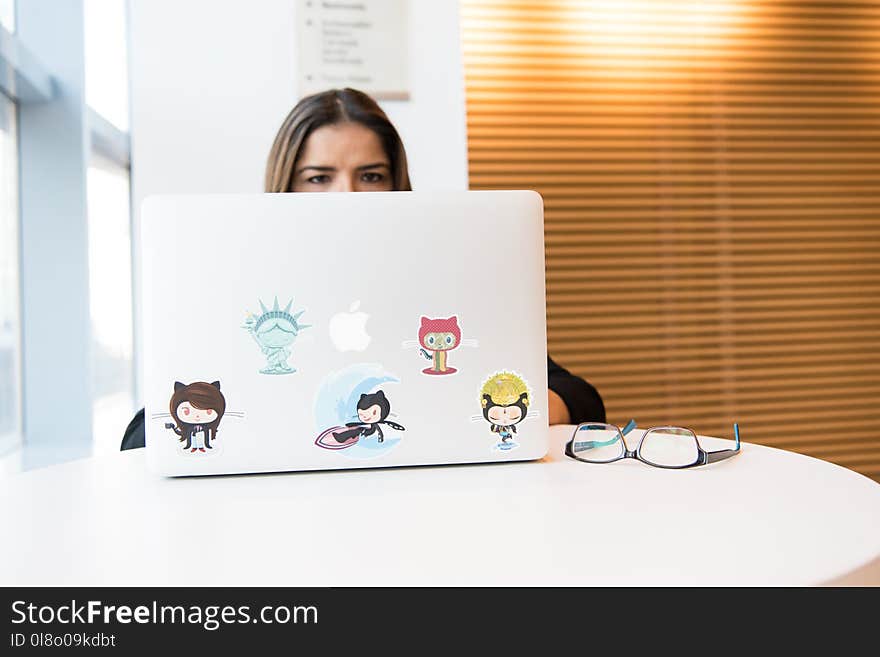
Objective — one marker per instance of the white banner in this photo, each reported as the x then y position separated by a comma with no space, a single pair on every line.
353,43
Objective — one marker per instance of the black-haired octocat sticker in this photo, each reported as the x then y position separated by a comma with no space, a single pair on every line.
197,409
372,412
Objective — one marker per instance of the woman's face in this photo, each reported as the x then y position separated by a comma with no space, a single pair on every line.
344,157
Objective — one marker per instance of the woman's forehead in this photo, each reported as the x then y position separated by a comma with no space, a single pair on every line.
342,146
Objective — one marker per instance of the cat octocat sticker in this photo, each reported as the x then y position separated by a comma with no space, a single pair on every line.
437,336
505,398
196,410
353,410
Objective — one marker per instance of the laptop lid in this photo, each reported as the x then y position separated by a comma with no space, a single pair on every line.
326,331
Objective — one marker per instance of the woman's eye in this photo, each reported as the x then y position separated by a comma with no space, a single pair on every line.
448,339
208,412
186,411
431,339
323,179
372,177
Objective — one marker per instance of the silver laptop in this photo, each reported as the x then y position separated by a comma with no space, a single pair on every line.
291,332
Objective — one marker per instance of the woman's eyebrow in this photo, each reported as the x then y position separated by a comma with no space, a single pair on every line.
374,165
316,168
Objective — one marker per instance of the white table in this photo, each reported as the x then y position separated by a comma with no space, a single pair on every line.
765,517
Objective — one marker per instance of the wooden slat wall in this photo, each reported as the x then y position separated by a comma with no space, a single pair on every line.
711,179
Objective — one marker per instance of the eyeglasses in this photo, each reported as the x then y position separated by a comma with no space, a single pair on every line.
662,447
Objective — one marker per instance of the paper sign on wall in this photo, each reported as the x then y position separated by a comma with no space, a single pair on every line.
353,43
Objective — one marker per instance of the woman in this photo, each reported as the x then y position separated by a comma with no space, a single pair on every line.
341,141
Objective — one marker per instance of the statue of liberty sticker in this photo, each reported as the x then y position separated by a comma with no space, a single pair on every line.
275,331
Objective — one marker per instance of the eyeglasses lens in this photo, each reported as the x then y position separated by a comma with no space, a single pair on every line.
598,443
670,447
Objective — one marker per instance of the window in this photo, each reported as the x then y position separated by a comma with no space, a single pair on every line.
110,301
31,105
106,59
7,14
10,341
109,222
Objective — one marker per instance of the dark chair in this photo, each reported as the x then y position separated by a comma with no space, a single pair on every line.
134,432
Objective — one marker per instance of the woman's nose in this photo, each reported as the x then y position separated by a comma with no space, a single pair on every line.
344,183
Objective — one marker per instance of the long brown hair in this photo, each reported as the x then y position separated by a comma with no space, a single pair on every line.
201,395
329,108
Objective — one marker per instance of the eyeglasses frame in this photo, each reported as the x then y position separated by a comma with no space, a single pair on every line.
704,457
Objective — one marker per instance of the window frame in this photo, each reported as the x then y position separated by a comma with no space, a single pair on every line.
35,90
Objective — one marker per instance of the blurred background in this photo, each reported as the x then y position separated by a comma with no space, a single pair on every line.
710,172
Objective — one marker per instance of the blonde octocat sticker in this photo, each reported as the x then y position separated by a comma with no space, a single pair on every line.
505,399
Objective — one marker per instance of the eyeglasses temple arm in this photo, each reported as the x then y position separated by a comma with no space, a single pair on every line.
629,427
720,455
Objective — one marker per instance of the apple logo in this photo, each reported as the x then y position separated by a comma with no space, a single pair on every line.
348,331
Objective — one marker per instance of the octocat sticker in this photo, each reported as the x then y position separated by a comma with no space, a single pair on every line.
439,336
196,411
505,398
353,411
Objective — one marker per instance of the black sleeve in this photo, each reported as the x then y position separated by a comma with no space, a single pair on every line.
583,400
134,432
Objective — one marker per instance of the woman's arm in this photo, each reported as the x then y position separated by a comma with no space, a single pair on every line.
558,410
572,399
